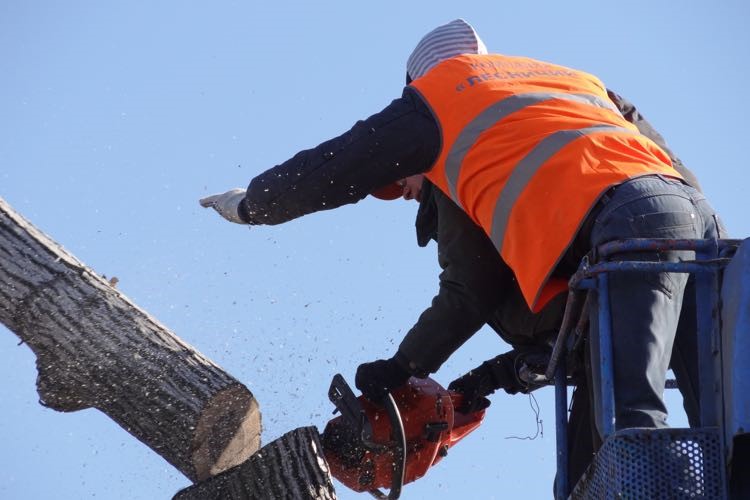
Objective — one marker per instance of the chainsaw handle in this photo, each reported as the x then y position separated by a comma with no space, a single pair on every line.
399,461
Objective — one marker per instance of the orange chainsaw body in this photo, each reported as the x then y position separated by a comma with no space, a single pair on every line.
431,426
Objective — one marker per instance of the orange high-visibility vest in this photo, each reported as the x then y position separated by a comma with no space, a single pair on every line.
528,148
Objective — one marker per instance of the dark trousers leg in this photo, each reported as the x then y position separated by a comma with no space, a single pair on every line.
643,324
645,307
684,361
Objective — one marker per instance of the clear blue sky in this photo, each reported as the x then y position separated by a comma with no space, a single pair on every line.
115,117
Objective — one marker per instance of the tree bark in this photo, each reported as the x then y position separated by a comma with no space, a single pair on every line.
96,349
291,467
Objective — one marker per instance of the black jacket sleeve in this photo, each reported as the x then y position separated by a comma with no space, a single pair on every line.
472,283
631,114
401,140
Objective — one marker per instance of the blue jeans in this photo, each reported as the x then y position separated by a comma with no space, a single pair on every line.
647,328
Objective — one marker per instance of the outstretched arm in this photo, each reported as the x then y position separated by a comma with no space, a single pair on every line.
401,140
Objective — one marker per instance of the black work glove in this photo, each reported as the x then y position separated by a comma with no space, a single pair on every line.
378,378
485,379
475,386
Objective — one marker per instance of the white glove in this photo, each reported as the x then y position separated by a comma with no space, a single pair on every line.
227,204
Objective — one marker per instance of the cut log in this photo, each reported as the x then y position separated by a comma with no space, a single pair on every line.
292,466
95,349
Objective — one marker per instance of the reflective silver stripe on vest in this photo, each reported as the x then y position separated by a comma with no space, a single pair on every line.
527,167
494,114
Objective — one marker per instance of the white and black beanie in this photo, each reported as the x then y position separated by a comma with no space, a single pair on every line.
446,41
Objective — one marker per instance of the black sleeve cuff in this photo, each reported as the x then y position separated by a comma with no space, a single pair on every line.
408,366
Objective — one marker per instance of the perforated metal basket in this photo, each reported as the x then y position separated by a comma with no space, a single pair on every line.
655,464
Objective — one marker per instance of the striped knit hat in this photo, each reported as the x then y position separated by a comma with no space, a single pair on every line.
446,41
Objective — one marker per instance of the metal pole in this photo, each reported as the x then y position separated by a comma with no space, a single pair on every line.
561,416
606,378
706,290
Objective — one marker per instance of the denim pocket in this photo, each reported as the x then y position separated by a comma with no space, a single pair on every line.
664,225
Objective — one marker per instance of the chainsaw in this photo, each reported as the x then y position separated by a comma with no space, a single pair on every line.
369,446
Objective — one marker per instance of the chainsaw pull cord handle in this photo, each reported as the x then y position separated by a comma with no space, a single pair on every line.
399,462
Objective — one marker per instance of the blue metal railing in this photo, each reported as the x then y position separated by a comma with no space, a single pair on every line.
710,258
